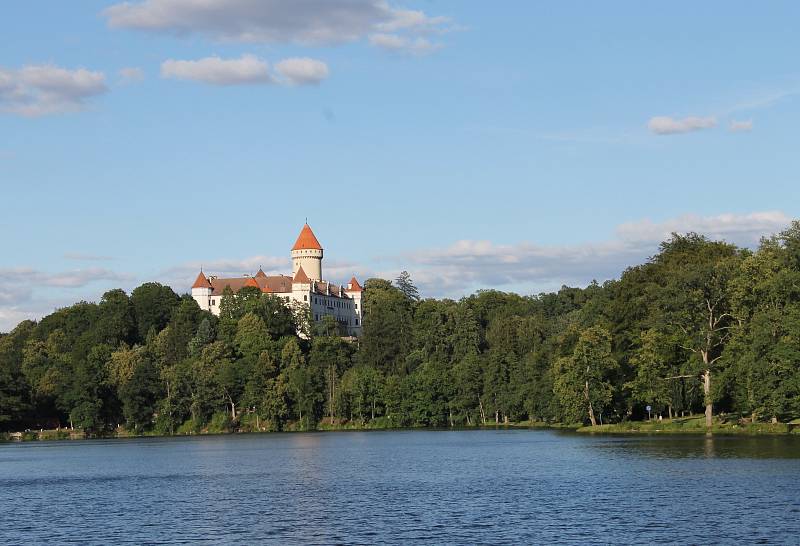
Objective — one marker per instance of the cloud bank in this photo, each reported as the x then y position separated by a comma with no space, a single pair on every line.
468,265
453,271
303,22
27,293
246,70
40,90
665,125
393,42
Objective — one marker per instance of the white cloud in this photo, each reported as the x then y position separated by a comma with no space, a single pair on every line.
131,74
403,19
27,293
466,266
453,271
302,71
527,267
248,69
10,317
740,126
305,22
665,125
741,229
394,42
76,278
39,90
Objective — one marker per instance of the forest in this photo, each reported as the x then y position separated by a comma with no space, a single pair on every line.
702,327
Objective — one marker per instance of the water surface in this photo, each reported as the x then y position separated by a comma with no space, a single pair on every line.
403,487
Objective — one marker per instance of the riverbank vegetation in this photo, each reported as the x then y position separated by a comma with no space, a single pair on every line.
701,327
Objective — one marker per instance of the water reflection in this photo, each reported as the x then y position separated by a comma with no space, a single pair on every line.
404,487
705,446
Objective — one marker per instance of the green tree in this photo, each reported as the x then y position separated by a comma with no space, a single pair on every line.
115,323
387,327
651,385
581,381
14,389
152,307
139,395
305,383
331,355
406,286
694,303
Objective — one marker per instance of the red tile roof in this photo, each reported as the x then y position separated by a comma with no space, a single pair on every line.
201,281
261,274
301,276
272,284
353,286
307,240
275,284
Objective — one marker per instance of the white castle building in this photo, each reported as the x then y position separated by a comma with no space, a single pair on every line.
306,286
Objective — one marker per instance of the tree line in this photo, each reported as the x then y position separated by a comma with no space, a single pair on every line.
702,326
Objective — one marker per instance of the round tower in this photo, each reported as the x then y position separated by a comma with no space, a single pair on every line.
307,253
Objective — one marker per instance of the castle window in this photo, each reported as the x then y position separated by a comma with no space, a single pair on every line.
305,298
356,305
356,322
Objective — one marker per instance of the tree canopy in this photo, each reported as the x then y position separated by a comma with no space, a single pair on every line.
702,326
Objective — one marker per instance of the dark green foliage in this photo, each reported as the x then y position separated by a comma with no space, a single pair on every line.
139,395
406,286
152,307
155,361
388,322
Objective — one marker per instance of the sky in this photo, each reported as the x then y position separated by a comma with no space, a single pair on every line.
517,145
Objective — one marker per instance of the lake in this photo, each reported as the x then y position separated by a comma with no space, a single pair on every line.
462,487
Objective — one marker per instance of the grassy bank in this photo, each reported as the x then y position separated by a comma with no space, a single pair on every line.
692,425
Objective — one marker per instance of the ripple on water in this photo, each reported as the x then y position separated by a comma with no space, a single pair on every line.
492,487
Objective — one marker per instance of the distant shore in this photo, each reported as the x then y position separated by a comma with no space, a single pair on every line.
693,425
689,425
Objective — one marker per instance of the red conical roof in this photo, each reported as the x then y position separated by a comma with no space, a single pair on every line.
301,276
201,281
252,282
307,240
261,274
353,286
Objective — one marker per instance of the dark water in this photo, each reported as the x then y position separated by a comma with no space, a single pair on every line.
438,487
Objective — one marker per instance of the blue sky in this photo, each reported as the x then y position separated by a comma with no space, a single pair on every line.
516,145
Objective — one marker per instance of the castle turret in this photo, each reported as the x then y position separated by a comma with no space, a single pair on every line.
307,253
355,292
201,291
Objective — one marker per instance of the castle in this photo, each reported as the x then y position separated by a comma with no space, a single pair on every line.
306,286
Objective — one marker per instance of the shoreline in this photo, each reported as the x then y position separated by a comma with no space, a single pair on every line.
676,427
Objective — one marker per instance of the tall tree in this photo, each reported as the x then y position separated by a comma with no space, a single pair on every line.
694,300
582,380
651,384
152,307
406,286
387,327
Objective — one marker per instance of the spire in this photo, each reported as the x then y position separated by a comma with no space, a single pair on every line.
261,274
301,276
307,240
353,286
201,281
